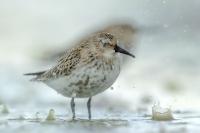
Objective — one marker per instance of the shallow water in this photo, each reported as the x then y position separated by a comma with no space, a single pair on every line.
184,122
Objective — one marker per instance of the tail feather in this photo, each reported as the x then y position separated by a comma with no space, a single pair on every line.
34,74
37,74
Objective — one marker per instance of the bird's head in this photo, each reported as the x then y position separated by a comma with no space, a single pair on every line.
108,45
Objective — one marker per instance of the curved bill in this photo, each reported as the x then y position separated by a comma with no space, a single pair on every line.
121,50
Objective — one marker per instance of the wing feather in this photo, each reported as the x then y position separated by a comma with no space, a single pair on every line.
66,64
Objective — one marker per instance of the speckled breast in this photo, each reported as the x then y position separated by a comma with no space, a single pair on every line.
88,80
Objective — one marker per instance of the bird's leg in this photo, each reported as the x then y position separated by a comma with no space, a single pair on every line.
89,107
73,108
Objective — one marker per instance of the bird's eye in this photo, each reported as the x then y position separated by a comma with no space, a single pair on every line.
105,44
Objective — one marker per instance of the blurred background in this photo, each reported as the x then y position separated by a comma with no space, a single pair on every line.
163,34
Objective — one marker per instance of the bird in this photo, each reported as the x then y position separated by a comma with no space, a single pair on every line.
125,33
87,69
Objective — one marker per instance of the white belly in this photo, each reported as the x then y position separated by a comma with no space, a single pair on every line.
86,81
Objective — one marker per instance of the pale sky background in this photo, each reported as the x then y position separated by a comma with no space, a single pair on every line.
170,54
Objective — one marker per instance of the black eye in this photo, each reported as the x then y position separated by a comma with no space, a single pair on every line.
105,44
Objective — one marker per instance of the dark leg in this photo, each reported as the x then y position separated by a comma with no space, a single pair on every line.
89,107
73,108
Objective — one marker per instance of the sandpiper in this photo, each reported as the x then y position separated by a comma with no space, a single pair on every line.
87,69
125,33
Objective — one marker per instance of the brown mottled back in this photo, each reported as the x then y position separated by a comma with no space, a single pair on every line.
85,52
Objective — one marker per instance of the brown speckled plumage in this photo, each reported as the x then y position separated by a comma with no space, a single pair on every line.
87,69
68,62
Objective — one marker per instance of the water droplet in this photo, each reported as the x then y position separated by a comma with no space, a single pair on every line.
112,88
51,116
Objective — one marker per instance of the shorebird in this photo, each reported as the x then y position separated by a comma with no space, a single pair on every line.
125,34
87,69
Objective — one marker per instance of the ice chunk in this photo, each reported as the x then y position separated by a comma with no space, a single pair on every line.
51,116
161,114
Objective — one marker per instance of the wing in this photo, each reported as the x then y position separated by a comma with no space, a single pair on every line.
66,64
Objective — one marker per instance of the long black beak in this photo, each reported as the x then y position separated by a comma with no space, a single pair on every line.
120,50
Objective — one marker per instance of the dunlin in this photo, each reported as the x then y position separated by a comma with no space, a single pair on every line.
126,35
87,69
